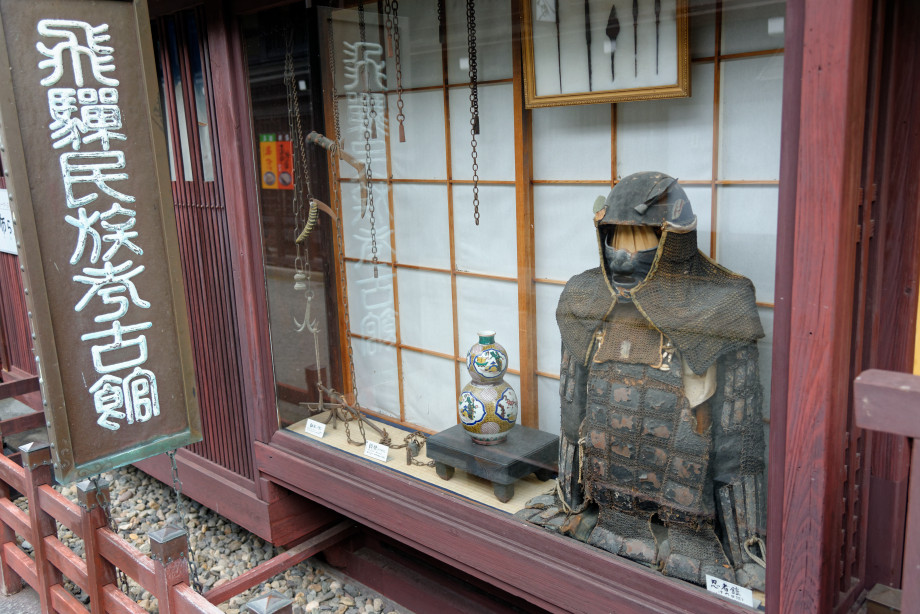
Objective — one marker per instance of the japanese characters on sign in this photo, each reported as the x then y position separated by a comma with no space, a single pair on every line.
85,121
87,169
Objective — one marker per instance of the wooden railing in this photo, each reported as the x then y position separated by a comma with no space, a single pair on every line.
164,573
889,402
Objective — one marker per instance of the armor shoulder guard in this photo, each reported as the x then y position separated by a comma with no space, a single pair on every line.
584,304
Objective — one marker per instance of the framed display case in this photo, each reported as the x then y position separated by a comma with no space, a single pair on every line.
584,52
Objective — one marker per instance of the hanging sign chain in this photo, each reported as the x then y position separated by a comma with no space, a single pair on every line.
105,503
180,510
474,100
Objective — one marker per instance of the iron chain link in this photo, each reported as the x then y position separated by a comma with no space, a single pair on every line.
474,100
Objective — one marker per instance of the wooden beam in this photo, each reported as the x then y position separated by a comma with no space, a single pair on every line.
16,388
281,562
888,401
556,574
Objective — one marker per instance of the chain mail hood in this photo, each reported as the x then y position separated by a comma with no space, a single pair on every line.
703,308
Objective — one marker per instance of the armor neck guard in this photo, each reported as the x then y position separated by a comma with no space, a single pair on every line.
702,307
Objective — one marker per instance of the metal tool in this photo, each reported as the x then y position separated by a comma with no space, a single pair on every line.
613,31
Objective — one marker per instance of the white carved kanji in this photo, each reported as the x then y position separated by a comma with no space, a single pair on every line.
80,41
140,392
110,276
90,167
108,399
85,225
118,342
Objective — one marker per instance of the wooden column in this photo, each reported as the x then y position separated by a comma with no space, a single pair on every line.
523,181
99,571
169,551
829,150
10,582
36,458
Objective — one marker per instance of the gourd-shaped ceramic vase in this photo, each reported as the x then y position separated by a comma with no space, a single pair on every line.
488,406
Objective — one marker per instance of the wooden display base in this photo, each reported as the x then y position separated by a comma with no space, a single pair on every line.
463,483
525,451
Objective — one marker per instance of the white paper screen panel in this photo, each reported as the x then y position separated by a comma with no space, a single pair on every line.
429,391
765,350
370,301
748,26
673,136
426,310
701,202
423,155
493,35
571,143
751,109
357,230
550,410
746,239
490,247
377,376
565,242
420,210
419,47
495,142
488,304
549,342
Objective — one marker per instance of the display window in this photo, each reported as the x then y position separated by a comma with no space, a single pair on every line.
517,291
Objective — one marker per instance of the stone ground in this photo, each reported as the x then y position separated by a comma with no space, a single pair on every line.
220,549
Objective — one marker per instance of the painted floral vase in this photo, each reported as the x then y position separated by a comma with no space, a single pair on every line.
488,406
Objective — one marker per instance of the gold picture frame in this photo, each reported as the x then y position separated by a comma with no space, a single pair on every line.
590,52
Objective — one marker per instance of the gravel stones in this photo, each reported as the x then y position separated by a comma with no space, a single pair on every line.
221,551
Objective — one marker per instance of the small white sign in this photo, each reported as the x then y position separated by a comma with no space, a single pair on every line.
730,591
7,237
376,451
317,429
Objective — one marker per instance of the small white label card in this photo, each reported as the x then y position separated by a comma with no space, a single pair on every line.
317,429
7,239
376,451
730,591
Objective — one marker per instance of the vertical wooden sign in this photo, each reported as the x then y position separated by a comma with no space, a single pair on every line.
90,197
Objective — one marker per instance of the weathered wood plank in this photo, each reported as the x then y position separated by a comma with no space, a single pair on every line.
888,401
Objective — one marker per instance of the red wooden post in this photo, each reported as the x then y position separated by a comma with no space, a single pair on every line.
36,459
10,582
169,551
910,588
98,570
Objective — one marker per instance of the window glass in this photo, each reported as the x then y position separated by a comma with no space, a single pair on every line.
622,257
300,277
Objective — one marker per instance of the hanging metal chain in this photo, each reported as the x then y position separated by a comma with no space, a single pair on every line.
370,115
180,510
303,221
474,100
442,26
391,7
106,504
337,207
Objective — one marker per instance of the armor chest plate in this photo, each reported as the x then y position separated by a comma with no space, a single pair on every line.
641,442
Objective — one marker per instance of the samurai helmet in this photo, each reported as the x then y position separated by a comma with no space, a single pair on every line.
648,199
